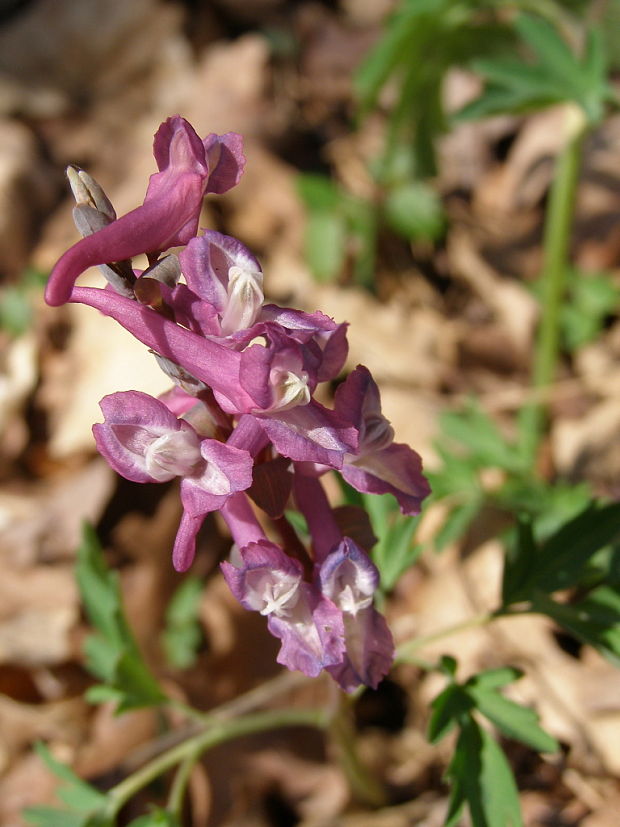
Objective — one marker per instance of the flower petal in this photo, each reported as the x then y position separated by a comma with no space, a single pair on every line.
226,471
226,161
133,422
310,433
370,651
312,637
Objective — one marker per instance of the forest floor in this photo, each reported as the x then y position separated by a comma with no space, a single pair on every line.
445,322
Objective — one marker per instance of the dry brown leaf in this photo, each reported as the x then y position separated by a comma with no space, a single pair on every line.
102,358
38,612
43,522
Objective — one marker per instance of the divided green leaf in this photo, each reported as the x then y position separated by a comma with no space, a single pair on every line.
86,802
481,778
396,550
557,75
560,561
182,635
112,653
595,619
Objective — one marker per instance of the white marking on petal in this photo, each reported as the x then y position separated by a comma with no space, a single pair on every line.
291,389
272,592
175,454
245,298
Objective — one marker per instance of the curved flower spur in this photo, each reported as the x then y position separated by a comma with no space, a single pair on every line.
241,427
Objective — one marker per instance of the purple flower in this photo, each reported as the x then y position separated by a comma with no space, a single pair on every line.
264,579
188,168
223,272
145,442
379,466
349,579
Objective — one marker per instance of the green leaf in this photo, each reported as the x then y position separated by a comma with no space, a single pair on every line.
77,794
319,193
482,778
595,619
405,33
156,818
395,551
415,211
86,802
362,226
563,556
112,654
591,298
457,522
515,721
325,244
556,75
182,635
492,679
519,560
16,311
448,709
298,521
478,437
52,817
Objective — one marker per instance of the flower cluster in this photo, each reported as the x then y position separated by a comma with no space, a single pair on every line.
241,427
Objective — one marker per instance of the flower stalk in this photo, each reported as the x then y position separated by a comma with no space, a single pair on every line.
556,252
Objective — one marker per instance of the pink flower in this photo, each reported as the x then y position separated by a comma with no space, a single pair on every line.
349,579
264,579
188,168
144,442
379,466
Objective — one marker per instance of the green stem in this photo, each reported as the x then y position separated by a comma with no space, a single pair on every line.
365,787
556,243
404,653
216,734
179,784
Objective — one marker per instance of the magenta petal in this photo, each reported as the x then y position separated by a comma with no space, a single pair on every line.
379,466
177,145
161,222
370,651
209,361
226,161
310,433
241,521
184,549
249,435
177,401
329,336
395,470
226,471
191,311
205,263
348,576
312,638
264,567
167,218
133,420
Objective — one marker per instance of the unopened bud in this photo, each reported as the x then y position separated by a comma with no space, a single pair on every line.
119,275
180,376
88,220
88,192
166,270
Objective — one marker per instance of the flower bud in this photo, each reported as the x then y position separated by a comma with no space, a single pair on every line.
87,192
167,270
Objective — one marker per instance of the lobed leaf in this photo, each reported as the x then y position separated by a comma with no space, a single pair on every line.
112,654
